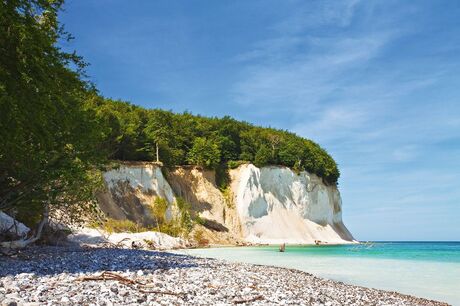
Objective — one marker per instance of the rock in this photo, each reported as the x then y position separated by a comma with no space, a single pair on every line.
114,289
11,226
142,240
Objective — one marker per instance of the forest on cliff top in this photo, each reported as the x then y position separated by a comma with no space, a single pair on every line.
57,132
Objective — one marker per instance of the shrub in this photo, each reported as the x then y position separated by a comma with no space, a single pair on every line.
222,177
228,197
233,164
200,239
181,224
119,226
185,218
158,210
199,220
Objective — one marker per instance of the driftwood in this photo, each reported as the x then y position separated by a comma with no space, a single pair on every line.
107,275
256,298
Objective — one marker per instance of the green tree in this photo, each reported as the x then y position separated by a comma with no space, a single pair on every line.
159,128
263,156
204,153
50,135
291,152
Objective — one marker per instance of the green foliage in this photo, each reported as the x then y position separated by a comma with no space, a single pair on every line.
200,239
185,219
233,164
228,196
263,156
131,133
181,222
50,152
57,133
205,153
158,210
222,177
121,226
199,220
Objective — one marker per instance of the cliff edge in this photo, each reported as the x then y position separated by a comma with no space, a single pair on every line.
269,205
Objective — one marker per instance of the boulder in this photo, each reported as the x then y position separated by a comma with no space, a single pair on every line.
11,227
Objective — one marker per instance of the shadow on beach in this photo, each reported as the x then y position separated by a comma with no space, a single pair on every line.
46,260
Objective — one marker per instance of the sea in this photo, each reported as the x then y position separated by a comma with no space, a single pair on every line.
424,269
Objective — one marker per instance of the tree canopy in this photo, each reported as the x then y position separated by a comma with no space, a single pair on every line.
210,142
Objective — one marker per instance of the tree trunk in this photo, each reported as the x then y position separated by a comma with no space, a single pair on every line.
158,155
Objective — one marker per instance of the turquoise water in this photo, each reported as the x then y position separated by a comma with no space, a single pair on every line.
425,269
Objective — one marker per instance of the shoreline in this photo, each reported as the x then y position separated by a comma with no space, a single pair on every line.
69,275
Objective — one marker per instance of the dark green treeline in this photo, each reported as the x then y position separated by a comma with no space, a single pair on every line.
132,133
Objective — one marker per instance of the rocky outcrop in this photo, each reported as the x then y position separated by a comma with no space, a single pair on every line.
261,205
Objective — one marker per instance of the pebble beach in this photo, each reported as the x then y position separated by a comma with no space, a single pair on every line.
115,276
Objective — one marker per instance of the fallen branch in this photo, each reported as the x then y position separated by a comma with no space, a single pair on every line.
256,298
106,275
181,295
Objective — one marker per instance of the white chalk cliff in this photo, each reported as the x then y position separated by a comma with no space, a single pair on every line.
263,205
276,205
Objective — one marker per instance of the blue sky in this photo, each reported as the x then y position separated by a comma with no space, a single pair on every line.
376,83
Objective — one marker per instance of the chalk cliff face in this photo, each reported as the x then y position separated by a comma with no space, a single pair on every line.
261,205
132,188
276,205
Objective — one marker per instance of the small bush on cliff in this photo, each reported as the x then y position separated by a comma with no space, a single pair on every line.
228,197
222,177
180,223
199,220
158,210
233,164
185,218
200,239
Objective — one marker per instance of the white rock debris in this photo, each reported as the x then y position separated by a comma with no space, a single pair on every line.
143,240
